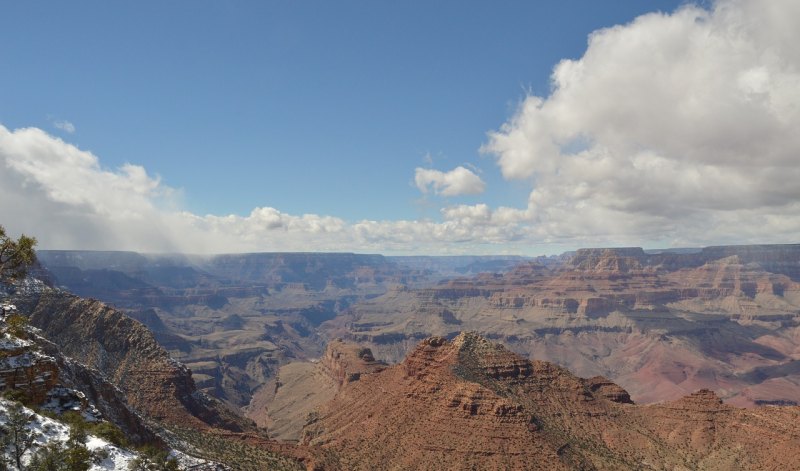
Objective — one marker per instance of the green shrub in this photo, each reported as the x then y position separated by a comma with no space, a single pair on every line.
15,325
153,459
18,395
110,433
105,430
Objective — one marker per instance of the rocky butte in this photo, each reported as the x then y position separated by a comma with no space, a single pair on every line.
469,403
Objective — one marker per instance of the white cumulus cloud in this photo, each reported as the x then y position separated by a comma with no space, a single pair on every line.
674,127
456,182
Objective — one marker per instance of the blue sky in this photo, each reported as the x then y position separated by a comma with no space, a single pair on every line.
310,107
322,108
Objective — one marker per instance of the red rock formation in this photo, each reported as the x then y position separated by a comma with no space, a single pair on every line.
133,382
418,415
604,387
471,404
661,324
348,362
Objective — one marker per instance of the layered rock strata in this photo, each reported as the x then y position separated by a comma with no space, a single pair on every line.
471,404
661,324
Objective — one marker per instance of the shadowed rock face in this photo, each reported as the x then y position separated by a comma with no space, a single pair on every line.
316,270
83,350
470,403
133,280
300,387
126,352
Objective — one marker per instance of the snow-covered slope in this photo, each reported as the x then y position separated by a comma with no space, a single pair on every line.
48,430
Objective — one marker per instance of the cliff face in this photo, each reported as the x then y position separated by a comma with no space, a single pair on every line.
523,414
782,259
415,415
108,273
616,259
347,362
127,354
316,270
37,370
284,404
25,368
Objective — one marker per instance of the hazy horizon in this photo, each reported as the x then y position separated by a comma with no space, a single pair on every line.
650,250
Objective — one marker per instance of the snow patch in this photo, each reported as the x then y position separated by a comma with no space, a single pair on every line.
9,342
48,430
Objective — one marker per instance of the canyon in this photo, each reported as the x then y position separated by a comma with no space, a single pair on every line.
662,325
599,359
278,338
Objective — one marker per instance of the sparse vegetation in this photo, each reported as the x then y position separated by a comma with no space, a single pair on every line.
15,255
15,325
49,458
153,459
111,433
105,430
16,395
17,439
77,455
15,435
232,452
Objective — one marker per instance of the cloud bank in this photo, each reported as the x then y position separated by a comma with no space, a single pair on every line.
62,195
676,129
